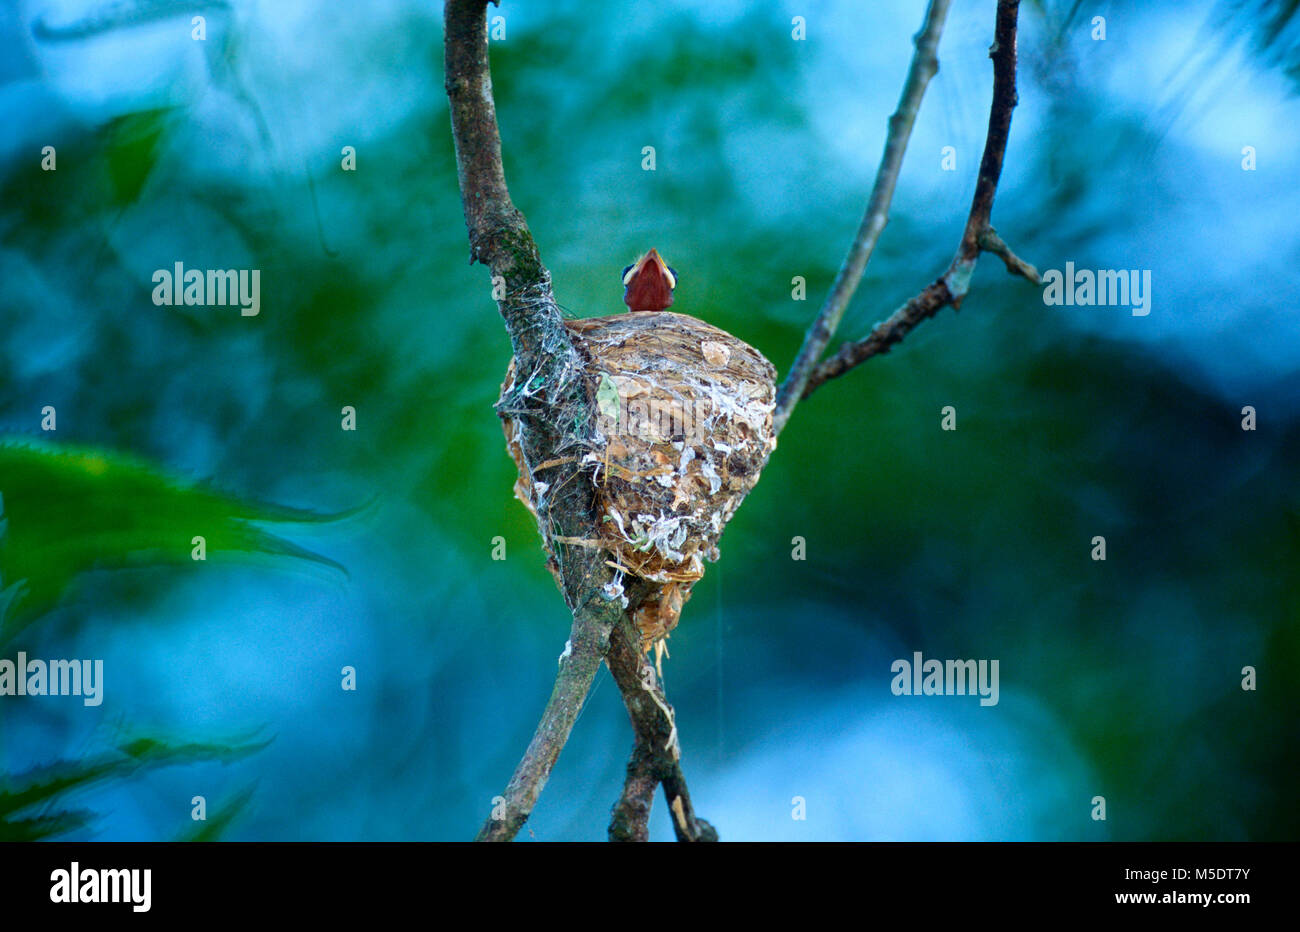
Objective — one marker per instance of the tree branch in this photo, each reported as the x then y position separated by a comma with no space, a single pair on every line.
498,233
588,640
925,63
656,758
978,236
548,369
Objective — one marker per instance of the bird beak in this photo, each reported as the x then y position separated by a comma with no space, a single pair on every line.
651,258
649,283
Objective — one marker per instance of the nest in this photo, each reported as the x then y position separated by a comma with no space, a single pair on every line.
677,429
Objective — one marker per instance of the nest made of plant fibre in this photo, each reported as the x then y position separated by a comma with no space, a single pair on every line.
677,430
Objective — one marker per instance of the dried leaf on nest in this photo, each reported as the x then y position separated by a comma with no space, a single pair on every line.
677,429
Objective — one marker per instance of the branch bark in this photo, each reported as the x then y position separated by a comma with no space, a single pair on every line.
925,63
547,367
547,381
498,233
977,236
656,758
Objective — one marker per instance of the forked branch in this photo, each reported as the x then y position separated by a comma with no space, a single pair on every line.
977,236
925,63
656,759
547,367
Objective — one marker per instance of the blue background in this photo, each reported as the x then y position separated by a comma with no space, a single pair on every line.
1119,679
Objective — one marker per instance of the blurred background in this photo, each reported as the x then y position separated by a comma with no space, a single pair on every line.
372,548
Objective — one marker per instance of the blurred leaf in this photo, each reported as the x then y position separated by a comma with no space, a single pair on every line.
1276,28
71,509
215,826
51,784
42,827
131,152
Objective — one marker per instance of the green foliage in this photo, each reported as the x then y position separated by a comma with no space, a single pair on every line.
73,509
35,804
66,510
131,146
217,825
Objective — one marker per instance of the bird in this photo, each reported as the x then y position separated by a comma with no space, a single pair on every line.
649,283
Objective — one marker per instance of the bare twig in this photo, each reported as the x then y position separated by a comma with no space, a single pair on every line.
925,63
656,758
588,640
989,241
978,236
631,818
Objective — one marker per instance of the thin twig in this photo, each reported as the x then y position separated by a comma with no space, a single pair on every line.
925,63
977,236
989,241
577,670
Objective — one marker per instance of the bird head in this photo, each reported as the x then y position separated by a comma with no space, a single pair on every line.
649,284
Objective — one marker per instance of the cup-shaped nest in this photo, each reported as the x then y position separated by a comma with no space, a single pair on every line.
677,429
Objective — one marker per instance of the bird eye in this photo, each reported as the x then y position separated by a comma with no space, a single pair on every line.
626,273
